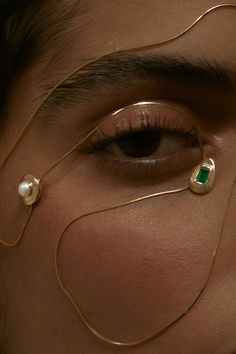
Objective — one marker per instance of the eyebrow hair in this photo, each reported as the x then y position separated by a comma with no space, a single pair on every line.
123,71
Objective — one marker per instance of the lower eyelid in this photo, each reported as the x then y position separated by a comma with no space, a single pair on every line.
147,169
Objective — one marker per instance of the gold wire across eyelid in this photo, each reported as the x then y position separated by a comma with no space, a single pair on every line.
66,292
128,51
163,103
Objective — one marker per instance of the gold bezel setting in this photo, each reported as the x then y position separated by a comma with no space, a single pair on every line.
203,177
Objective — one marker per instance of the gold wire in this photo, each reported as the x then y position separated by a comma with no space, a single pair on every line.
26,127
15,243
69,294
121,52
156,333
163,103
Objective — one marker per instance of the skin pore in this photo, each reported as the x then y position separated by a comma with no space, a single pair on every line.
136,295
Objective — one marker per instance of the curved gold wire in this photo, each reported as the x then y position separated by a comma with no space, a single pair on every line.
59,278
156,333
126,51
164,103
69,294
26,127
18,240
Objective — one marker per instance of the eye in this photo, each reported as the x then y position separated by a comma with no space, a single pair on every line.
152,136
137,144
146,143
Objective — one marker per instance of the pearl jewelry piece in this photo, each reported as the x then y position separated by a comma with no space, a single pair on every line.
25,189
29,189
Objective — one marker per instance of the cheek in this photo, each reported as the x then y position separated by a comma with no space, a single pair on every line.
134,270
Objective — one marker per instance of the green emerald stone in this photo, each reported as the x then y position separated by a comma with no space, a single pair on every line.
203,175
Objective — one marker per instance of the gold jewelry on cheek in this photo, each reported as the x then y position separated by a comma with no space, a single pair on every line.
201,181
203,177
29,189
156,333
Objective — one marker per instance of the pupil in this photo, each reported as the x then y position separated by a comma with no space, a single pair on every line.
140,144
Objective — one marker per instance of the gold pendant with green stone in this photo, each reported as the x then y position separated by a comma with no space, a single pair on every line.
203,177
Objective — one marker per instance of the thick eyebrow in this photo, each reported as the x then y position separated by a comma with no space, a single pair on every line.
122,72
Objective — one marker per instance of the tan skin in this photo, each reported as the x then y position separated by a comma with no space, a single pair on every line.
149,279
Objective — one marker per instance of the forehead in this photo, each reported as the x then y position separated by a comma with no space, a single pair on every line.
104,26
101,27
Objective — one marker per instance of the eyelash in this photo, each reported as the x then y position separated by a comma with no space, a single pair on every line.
142,168
160,125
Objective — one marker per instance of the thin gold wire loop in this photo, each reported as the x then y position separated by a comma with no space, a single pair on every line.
67,292
69,295
126,51
26,127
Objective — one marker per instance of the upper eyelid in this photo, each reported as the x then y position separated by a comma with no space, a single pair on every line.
180,109
95,143
161,103
101,139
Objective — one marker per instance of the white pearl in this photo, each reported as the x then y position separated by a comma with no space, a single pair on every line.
24,189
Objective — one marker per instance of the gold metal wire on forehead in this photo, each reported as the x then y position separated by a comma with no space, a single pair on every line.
47,96
59,278
126,51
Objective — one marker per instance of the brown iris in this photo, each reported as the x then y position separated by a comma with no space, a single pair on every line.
139,144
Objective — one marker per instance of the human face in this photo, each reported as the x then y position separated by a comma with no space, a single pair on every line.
144,264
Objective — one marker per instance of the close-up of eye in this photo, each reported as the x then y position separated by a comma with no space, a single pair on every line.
145,140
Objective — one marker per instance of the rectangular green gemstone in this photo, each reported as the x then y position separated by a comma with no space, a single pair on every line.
203,174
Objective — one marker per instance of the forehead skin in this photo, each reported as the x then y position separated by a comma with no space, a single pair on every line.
106,26
101,28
